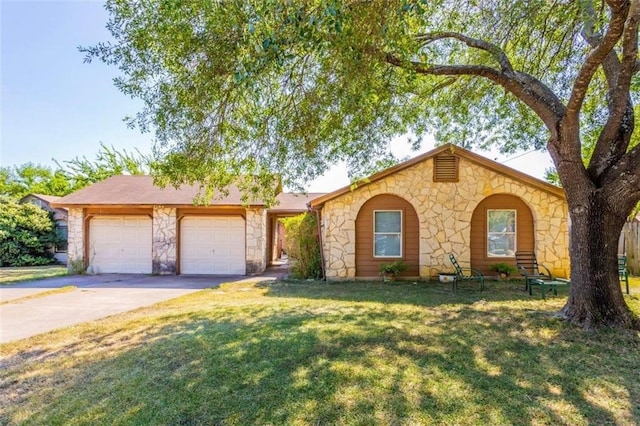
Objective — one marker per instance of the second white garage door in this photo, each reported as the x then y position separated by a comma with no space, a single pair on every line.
212,245
120,244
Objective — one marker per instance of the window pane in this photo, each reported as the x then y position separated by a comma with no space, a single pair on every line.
387,245
501,238
502,220
502,245
387,222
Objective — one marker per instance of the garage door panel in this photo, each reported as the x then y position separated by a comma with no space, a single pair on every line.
120,244
213,245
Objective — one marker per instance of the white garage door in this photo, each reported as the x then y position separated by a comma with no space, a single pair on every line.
212,245
120,244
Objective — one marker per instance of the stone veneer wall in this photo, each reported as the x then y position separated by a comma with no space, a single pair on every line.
164,240
256,238
444,211
75,240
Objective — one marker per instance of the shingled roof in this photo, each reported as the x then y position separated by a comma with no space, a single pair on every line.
126,190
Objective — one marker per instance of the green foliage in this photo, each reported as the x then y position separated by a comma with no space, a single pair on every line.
71,175
109,162
393,268
27,234
29,178
503,268
303,245
254,89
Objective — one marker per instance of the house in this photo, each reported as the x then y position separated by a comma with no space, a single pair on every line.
59,216
126,224
446,201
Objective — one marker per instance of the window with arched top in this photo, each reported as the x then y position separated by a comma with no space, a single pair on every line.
387,229
501,225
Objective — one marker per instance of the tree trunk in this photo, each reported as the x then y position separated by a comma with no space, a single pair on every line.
595,298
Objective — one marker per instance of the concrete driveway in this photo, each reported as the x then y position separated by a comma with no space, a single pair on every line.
96,296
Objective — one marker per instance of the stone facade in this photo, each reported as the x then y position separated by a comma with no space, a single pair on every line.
256,237
164,244
164,240
75,240
444,210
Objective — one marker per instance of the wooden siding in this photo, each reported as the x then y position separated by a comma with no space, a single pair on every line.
525,239
366,264
124,211
630,245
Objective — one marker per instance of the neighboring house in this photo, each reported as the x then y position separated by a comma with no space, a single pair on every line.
125,224
446,201
59,216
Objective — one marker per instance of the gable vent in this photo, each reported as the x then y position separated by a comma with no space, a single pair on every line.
445,168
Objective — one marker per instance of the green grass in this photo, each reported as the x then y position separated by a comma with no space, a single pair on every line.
634,285
12,275
59,290
315,353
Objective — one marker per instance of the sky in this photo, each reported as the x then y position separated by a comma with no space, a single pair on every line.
55,106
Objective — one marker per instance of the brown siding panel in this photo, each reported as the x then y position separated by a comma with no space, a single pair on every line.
366,264
525,239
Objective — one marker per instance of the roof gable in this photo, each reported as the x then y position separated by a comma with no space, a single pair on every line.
449,149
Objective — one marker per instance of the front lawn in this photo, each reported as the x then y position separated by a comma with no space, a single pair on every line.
316,353
12,275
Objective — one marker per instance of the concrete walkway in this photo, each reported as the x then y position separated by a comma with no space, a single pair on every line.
96,296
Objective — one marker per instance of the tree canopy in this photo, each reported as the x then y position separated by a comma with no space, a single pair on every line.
265,87
268,87
71,175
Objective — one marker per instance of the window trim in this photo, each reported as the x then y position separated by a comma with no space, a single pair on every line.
514,232
64,248
400,256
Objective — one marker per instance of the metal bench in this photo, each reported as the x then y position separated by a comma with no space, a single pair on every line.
530,269
548,284
623,274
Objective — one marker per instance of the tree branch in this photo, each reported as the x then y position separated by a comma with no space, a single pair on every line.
601,49
616,134
494,50
523,86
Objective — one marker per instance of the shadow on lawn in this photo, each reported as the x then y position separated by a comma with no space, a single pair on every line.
419,293
359,364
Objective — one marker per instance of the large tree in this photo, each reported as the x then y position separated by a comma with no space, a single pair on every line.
268,87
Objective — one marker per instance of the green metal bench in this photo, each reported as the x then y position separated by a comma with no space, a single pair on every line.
465,274
623,274
551,285
530,269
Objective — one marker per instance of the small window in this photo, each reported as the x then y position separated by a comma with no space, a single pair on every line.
387,233
445,168
63,233
501,235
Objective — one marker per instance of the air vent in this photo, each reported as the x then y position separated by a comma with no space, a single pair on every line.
445,168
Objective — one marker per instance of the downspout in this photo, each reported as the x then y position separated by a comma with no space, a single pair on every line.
322,265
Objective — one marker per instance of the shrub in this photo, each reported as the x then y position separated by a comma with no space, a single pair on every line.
503,268
393,268
303,246
27,234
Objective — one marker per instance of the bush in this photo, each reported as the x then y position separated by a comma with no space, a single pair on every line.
27,234
303,246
